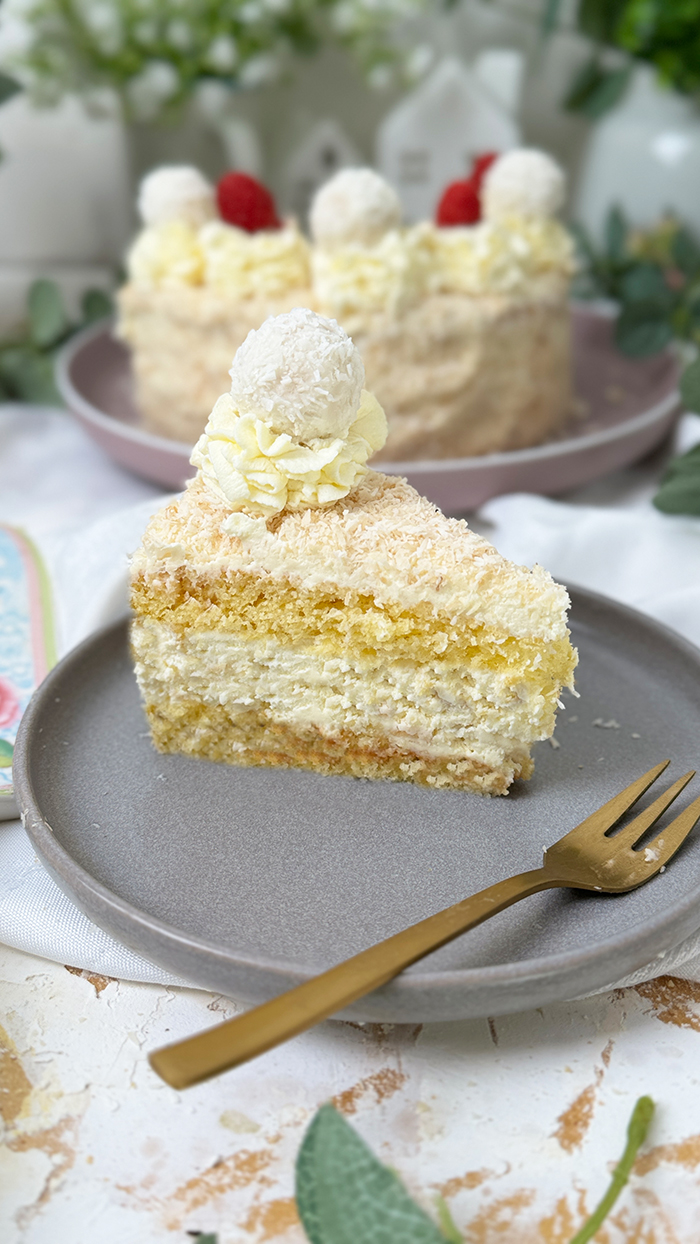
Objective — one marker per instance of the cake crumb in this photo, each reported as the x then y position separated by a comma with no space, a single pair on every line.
607,725
555,743
573,719
636,736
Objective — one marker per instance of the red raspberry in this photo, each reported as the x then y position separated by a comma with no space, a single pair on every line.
461,201
481,166
459,204
246,203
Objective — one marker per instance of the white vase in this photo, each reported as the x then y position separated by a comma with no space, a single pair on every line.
645,157
65,209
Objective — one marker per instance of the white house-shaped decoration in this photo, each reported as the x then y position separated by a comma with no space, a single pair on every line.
432,136
324,150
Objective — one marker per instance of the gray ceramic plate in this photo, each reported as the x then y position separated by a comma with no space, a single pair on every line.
627,407
248,880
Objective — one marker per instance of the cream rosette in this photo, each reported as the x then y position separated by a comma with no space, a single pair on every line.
515,255
388,277
248,265
257,470
166,254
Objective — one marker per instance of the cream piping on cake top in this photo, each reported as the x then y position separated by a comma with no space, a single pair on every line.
249,265
363,261
518,247
297,427
185,242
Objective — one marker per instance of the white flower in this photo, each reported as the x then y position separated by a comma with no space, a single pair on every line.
179,35
222,54
259,69
16,33
104,24
251,12
146,33
345,18
419,60
101,102
149,90
380,77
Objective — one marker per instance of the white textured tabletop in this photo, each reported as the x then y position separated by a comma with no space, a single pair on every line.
516,1122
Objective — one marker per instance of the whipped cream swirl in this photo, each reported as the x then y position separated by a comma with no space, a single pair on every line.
297,428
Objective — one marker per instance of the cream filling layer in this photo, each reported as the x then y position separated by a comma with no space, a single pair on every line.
432,711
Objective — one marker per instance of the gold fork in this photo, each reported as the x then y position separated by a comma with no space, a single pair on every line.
584,859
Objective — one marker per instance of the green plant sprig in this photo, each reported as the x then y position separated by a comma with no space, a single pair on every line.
27,357
150,59
662,33
345,1195
654,275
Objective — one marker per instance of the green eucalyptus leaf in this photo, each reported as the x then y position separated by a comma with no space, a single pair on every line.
95,305
609,91
645,282
8,88
29,375
550,16
680,495
615,235
680,487
641,329
599,18
585,83
690,386
48,321
345,1195
686,252
6,752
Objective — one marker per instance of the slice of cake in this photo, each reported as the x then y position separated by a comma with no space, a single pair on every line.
294,608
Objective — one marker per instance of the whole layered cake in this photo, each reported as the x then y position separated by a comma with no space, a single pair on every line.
463,324
295,608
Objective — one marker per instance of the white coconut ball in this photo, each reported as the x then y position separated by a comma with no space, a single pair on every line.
176,192
357,205
524,182
301,374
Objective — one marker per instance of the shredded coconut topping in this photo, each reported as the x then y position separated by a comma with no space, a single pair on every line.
524,182
382,539
357,205
176,192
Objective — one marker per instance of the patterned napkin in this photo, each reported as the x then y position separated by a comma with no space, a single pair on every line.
27,647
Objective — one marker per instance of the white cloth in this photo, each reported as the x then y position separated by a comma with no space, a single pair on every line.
86,515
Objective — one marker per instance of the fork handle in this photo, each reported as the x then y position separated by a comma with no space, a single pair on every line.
263,1027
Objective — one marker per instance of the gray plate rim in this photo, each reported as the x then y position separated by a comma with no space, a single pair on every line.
551,449
642,943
